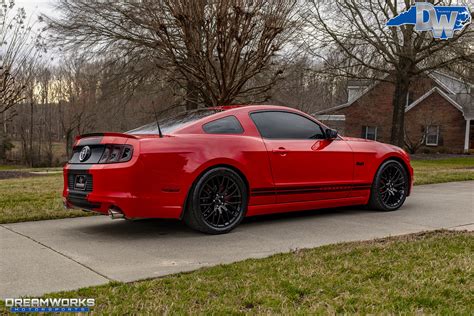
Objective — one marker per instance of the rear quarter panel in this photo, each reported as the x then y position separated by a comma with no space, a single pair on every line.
172,164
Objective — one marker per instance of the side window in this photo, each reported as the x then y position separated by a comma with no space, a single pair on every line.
225,125
286,125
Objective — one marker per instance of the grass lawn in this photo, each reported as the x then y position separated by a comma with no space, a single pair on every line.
10,167
27,169
426,273
37,198
34,198
443,170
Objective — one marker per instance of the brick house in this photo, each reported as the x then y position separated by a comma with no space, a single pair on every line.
439,113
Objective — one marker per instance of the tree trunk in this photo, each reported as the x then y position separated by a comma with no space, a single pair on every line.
192,97
30,150
5,131
68,143
2,146
402,85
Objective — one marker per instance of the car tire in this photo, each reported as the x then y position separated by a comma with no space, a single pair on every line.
217,202
390,187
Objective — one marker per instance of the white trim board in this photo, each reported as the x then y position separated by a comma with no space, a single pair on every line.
427,94
349,103
460,80
331,117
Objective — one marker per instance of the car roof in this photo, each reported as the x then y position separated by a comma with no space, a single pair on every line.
224,111
235,109
249,107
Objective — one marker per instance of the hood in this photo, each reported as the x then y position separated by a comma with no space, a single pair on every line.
355,139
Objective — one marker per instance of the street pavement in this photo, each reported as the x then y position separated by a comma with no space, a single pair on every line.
48,256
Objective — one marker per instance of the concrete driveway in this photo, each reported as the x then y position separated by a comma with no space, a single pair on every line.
41,257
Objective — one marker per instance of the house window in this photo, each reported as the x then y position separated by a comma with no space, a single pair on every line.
369,132
432,135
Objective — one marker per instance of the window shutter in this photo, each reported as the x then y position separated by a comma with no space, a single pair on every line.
364,129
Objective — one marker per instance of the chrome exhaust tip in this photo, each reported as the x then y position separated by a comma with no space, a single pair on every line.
115,213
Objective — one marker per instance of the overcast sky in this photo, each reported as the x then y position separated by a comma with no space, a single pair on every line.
36,7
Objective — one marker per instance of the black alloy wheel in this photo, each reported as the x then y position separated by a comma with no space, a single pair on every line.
390,187
217,202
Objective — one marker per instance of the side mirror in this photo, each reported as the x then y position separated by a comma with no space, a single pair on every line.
331,133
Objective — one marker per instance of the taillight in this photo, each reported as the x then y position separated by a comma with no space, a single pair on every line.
116,153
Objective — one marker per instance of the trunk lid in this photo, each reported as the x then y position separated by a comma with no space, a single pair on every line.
89,148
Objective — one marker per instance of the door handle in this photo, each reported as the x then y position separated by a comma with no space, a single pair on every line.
281,151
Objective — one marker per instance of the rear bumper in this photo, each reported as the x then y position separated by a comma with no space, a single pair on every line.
126,186
104,204
72,201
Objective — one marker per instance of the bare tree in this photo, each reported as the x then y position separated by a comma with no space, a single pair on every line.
304,87
413,144
18,51
77,96
18,48
59,103
210,48
355,32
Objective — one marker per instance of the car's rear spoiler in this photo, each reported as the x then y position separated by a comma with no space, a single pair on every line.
105,134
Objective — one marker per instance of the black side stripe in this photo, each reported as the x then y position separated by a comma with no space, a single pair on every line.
309,189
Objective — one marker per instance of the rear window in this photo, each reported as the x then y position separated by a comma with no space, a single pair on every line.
171,124
225,125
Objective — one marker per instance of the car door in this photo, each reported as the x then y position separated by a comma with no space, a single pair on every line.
306,166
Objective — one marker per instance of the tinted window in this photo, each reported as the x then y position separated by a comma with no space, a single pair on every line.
170,125
285,125
226,125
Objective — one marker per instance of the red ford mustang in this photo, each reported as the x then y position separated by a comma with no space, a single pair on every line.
212,167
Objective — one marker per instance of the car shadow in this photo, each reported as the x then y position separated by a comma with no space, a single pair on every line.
301,215
164,228
136,229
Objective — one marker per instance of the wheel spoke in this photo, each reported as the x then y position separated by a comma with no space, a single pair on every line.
226,212
208,212
233,209
232,203
392,186
233,192
214,217
220,201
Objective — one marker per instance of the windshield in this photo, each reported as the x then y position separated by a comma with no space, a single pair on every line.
169,125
